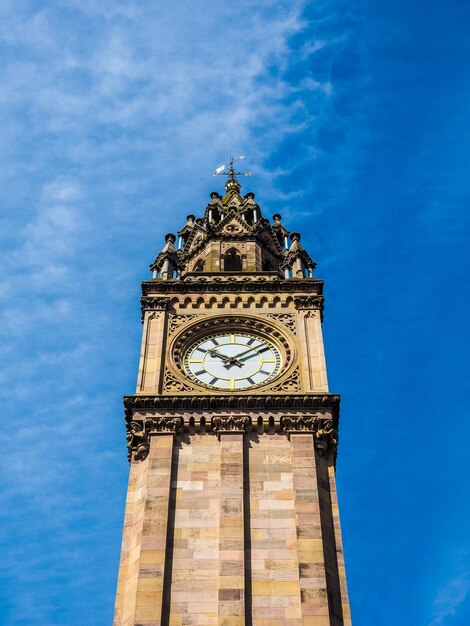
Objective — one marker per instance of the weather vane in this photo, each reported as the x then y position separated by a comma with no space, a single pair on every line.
225,170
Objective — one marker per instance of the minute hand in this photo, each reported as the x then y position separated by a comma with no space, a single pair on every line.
250,350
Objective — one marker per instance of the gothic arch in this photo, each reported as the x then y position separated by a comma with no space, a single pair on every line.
233,260
199,266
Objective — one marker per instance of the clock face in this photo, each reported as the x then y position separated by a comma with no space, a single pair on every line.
232,361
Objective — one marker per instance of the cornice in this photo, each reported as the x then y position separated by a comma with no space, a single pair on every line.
217,402
221,283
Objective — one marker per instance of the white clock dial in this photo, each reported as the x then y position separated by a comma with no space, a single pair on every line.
232,361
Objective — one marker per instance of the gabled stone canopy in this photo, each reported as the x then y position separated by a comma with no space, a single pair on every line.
233,237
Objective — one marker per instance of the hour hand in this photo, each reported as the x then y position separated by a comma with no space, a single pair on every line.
228,360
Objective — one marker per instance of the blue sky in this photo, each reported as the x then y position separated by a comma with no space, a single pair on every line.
354,119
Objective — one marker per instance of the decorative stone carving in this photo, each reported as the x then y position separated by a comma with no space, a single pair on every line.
149,303
232,228
138,435
171,383
230,423
324,431
138,441
175,321
166,424
309,302
298,423
217,402
290,384
234,301
148,421
251,283
153,303
326,435
312,313
286,319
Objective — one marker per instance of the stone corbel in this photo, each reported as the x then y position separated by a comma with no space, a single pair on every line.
324,431
148,303
223,424
326,436
138,441
309,303
159,425
299,423
138,434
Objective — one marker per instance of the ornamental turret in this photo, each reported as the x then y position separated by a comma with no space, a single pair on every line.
233,237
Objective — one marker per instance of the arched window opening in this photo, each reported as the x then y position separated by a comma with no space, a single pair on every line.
215,216
233,261
200,265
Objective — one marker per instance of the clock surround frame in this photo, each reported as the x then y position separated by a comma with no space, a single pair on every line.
260,326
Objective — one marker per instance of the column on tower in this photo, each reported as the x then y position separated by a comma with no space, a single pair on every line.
141,572
276,593
126,595
313,584
231,531
153,343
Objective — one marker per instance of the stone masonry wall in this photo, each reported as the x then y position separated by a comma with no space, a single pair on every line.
232,530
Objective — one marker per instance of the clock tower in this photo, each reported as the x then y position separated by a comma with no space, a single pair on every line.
231,515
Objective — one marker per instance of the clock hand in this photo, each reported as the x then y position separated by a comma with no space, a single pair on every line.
228,360
235,359
237,356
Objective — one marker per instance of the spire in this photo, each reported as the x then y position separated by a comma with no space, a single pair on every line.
165,265
295,243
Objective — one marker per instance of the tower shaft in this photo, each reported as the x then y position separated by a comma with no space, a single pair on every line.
231,515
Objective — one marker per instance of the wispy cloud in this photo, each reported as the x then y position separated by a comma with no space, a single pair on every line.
452,595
